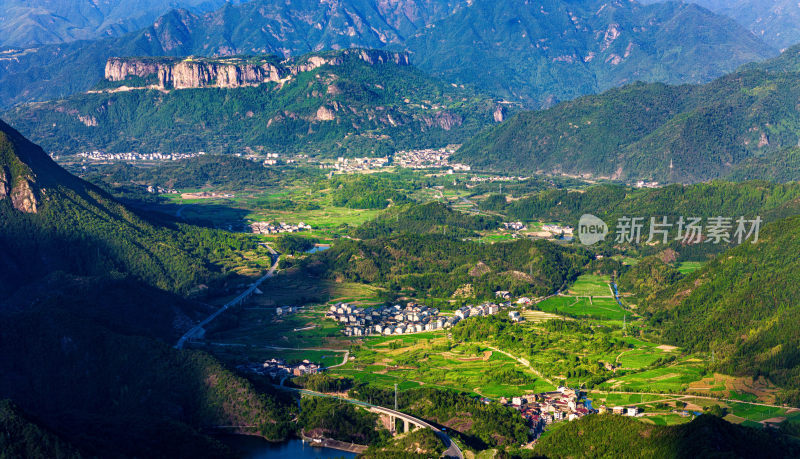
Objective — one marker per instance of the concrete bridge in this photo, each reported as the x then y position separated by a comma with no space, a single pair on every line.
391,416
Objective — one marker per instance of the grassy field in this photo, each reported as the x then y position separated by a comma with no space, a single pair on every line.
688,267
600,308
294,288
258,327
243,354
675,377
430,359
591,285
667,419
642,356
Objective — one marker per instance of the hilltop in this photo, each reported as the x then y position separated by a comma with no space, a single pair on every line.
337,103
686,133
533,53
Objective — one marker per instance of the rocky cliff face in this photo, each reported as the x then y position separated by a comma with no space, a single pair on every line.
234,72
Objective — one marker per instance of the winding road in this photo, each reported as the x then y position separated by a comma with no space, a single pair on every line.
198,329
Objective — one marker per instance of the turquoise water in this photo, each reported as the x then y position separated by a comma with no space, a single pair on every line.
258,448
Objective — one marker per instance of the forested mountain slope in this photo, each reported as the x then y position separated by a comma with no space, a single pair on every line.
742,307
534,53
657,132
53,221
352,102
777,22
38,22
87,322
619,436
544,52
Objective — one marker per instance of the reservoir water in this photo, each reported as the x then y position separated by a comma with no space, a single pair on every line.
258,448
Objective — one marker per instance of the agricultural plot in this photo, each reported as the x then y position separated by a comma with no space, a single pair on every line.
673,378
599,308
236,355
667,419
643,357
258,327
611,399
430,359
591,285
688,267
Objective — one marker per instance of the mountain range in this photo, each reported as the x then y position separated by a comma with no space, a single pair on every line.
338,103
777,22
533,53
26,23
743,124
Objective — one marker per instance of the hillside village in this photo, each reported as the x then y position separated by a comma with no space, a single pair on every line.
399,320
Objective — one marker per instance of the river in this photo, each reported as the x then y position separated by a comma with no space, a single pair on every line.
257,448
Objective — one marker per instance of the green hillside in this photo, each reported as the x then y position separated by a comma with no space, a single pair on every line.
88,316
439,266
53,221
353,109
741,306
22,437
544,52
623,437
658,132
609,202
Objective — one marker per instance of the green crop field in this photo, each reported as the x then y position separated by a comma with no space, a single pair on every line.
600,308
671,378
591,285
667,419
642,357
611,399
428,359
688,267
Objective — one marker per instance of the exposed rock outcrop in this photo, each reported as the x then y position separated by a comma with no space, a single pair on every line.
170,73
23,197
5,182
499,114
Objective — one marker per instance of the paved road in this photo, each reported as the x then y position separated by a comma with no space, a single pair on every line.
197,328
452,448
685,396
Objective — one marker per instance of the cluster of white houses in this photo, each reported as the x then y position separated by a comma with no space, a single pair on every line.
277,228
545,408
356,164
515,226
278,368
133,156
564,404
399,320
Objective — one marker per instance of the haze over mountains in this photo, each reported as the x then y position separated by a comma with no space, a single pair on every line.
744,124
533,53
25,23
777,22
